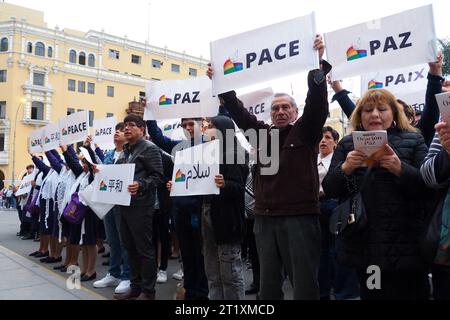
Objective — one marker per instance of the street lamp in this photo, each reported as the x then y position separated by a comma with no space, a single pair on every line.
22,102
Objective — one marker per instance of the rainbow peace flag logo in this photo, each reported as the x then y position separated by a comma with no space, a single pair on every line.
103,186
46,140
97,133
167,127
33,143
353,54
230,67
180,176
64,132
373,84
163,101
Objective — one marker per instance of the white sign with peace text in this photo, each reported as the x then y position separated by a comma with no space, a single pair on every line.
74,128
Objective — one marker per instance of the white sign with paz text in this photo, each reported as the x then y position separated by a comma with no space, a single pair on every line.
384,44
171,99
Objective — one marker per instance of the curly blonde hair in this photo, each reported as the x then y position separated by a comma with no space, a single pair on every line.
376,97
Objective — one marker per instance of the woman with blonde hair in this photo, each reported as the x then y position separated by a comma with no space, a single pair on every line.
392,198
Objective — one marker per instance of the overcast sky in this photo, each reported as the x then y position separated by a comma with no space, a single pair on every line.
189,25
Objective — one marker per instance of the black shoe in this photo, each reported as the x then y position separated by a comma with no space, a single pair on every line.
85,277
105,263
41,255
37,239
251,290
46,260
27,237
33,254
63,269
51,260
60,267
101,250
19,234
106,255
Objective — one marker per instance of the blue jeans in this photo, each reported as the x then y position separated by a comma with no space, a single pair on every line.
119,256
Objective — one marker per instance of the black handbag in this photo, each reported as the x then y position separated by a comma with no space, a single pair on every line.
349,218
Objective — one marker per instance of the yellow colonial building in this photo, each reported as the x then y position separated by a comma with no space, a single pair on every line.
47,73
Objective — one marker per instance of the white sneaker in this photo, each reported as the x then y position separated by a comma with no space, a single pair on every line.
162,276
123,287
178,275
107,281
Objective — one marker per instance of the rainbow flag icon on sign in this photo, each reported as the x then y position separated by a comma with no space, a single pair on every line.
97,133
230,67
33,144
46,140
167,127
163,101
180,176
103,186
353,54
64,132
375,85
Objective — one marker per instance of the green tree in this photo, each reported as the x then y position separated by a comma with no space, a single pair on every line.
445,47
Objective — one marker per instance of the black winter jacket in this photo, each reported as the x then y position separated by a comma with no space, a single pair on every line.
148,171
393,205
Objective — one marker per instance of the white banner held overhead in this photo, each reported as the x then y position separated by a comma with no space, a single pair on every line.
408,84
25,184
35,141
52,137
111,184
180,99
258,103
103,132
195,169
74,128
389,43
263,54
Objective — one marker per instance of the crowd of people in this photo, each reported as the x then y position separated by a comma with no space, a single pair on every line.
280,222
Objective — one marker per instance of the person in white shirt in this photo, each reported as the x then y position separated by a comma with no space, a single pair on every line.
327,145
